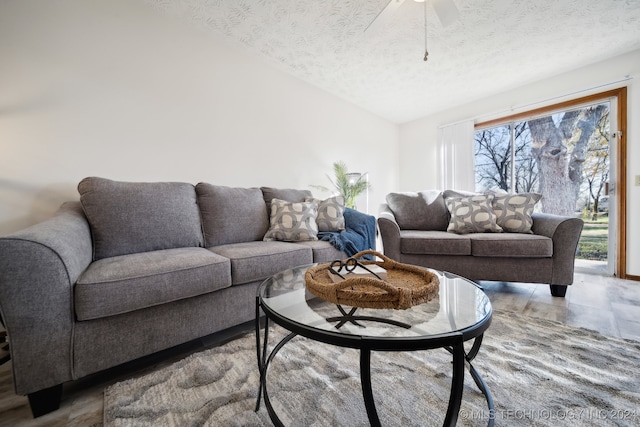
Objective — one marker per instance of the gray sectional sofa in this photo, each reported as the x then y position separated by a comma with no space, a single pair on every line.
135,268
528,247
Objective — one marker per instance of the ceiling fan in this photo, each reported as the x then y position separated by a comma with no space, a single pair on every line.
446,11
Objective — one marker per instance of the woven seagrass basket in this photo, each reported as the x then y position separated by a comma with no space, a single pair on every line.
405,285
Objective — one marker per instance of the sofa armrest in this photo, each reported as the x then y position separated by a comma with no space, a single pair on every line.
389,232
38,268
565,234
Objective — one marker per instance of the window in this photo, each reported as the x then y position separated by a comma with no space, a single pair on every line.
564,156
574,154
504,159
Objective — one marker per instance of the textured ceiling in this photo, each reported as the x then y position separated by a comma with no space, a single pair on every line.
494,45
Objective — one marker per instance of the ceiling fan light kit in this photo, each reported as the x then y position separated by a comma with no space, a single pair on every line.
445,10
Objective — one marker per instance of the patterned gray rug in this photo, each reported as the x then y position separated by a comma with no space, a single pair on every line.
541,373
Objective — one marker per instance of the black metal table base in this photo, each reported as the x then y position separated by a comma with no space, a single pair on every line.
460,359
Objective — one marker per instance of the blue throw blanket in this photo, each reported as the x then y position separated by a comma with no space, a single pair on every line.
359,233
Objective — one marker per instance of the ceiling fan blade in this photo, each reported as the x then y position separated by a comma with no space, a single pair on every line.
446,10
385,16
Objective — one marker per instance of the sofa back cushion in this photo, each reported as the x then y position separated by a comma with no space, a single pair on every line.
231,215
448,194
425,210
132,217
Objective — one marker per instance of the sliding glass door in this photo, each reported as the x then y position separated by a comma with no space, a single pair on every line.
567,156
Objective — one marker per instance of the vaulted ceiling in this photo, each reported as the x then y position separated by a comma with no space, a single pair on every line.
493,46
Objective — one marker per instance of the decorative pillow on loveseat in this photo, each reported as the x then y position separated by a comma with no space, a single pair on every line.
513,211
330,213
132,217
292,221
472,214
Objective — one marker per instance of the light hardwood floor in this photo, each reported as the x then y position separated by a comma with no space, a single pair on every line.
605,304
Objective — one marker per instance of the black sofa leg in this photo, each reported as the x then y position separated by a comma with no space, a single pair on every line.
558,290
44,401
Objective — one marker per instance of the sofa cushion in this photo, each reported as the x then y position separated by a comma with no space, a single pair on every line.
473,214
323,251
513,211
251,261
420,242
425,210
231,215
511,245
292,221
132,217
330,213
287,194
126,283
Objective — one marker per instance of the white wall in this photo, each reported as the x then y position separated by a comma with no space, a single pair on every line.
418,162
115,89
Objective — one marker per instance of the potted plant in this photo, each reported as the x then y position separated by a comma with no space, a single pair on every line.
348,185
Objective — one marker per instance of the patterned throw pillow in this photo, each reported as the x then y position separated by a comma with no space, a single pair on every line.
330,213
472,214
292,221
513,211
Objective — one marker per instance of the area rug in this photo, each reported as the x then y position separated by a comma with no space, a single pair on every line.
541,373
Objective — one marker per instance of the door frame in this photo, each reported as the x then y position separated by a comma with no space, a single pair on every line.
620,94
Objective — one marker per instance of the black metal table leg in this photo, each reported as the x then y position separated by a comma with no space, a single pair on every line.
477,378
367,391
473,352
457,385
272,413
264,361
259,353
485,390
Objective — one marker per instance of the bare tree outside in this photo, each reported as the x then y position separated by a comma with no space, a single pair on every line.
596,167
560,149
494,161
493,158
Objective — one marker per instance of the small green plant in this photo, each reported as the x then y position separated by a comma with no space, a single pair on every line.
347,185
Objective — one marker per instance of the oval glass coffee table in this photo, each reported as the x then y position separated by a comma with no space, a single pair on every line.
461,312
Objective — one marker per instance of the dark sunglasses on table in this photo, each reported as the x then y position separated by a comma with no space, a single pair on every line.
349,265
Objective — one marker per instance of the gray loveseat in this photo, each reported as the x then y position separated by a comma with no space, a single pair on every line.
135,268
540,249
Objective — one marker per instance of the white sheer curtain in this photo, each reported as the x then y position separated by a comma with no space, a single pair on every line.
455,146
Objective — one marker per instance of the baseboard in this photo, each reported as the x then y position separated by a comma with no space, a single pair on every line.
632,277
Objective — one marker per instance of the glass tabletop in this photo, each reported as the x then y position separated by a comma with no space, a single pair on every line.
460,307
